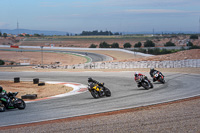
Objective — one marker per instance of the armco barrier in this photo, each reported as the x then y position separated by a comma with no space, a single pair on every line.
138,64
14,46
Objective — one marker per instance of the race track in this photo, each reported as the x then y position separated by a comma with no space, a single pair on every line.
125,94
93,56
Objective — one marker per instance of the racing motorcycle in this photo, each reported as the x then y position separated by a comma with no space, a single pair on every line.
144,82
11,102
98,90
158,77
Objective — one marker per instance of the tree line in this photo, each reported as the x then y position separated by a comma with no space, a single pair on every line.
96,32
148,43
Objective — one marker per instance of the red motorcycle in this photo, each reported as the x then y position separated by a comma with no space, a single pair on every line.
158,77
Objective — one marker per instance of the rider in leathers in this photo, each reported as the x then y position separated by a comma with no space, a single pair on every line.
4,95
152,70
138,76
93,81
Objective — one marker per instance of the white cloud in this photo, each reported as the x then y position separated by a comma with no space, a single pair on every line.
169,3
4,25
49,4
148,11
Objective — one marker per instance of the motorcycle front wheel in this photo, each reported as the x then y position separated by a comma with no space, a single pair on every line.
162,80
95,94
107,92
21,104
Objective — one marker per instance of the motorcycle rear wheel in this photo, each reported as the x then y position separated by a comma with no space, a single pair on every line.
145,85
2,107
95,94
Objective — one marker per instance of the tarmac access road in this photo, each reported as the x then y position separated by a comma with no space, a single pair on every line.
125,94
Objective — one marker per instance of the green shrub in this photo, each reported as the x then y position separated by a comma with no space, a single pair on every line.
138,45
115,45
169,44
104,45
194,37
149,43
189,44
2,62
127,45
93,46
195,47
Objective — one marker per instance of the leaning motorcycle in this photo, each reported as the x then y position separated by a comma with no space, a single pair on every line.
144,82
98,90
11,102
158,77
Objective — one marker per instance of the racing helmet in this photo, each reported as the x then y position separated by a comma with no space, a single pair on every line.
1,89
90,79
136,74
152,69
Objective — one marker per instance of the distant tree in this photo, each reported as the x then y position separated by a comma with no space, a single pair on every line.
189,44
27,35
37,35
93,46
127,45
95,32
168,44
138,45
117,33
149,43
5,35
115,45
0,34
104,45
2,62
194,37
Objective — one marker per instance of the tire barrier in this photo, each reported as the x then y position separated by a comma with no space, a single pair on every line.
29,96
16,80
41,84
35,81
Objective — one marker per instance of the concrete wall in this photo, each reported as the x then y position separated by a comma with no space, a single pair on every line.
138,64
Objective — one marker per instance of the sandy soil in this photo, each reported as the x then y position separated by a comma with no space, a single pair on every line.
182,55
29,88
36,57
86,41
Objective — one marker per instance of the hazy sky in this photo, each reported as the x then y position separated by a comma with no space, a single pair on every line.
115,15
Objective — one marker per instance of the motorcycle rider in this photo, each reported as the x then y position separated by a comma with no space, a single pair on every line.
138,76
3,94
93,81
152,70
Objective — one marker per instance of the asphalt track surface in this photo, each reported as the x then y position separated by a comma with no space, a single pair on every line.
125,94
